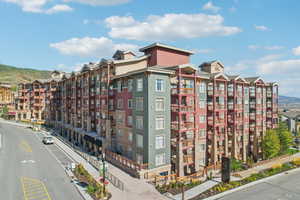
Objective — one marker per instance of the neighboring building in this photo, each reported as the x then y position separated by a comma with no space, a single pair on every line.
157,114
33,98
6,95
292,119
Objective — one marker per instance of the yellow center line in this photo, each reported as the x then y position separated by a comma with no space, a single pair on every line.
25,146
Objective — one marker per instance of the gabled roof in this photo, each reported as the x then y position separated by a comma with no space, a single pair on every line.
236,77
217,75
131,60
165,46
253,79
120,52
183,66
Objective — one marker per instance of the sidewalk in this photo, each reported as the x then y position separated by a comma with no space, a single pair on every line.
200,188
135,189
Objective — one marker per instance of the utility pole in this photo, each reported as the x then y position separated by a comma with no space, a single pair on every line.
182,191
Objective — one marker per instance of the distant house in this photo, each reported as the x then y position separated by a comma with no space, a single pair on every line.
292,119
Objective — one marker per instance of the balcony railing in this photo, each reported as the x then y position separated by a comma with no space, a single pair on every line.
230,93
188,158
182,91
188,143
230,105
182,126
182,108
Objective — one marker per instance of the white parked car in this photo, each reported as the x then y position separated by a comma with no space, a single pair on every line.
48,140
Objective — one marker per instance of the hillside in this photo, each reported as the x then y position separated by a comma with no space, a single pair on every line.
14,75
288,100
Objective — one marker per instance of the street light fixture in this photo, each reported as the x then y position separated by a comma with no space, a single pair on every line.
102,157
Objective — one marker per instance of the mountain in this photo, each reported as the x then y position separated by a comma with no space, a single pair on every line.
288,100
15,75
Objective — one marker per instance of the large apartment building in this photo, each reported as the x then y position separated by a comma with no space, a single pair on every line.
32,103
6,95
157,114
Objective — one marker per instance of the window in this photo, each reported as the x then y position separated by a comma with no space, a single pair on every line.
159,142
139,103
159,85
139,85
130,85
139,140
160,123
159,104
119,86
202,119
139,158
202,87
130,104
139,122
119,133
130,136
202,132
120,103
202,147
160,159
129,120
202,104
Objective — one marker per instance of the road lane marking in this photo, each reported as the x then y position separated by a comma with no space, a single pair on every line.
25,146
34,189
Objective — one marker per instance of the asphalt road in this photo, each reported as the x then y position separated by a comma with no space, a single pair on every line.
30,170
286,187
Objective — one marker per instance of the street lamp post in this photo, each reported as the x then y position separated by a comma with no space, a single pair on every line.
103,170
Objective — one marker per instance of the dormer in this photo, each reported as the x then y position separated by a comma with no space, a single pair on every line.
212,67
123,55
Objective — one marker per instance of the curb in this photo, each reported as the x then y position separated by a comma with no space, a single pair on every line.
218,196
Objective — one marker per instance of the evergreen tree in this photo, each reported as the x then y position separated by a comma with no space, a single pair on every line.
285,137
271,144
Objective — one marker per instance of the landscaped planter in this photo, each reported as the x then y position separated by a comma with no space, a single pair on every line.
222,187
94,188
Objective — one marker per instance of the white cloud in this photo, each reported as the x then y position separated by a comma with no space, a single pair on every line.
261,28
232,9
100,2
253,47
275,47
91,21
296,51
59,8
169,27
37,6
211,7
91,47
282,67
203,51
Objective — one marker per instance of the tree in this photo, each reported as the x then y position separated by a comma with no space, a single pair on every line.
285,137
271,144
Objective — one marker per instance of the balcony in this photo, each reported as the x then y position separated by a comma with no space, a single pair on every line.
210,121
252,94
182,91
210,106
210,90
269,94
188,159
269,104
269,114
187,143
182,126
252,105
230,93
230,105
220,106
252,116
182,108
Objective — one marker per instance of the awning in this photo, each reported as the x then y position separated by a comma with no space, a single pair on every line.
89,138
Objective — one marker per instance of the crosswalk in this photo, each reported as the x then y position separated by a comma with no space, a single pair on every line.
34,189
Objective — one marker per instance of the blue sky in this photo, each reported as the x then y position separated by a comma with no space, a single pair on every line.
250,37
